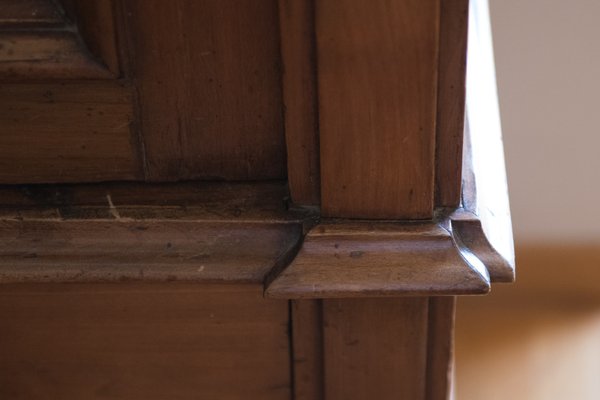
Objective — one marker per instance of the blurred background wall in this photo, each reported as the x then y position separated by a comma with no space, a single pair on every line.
540,338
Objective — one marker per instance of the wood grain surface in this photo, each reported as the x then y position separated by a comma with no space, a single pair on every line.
297,26
209,82
66,132
30,13
154,251
377,77
369,259
95,22
375,348
440,347
452,70
38,40
307,349
194,201
173,341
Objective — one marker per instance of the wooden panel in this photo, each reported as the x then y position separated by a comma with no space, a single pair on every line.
142,342
440,347
208,76
451,101
38,41
375,348
66,132
300,99
377,74
307,349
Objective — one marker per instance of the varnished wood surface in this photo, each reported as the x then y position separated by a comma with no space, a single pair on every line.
363,259
375,348
95,21
39,42
28,56
66,132
450,101
440,347
377,77
155,251
199,201
468,230
208,78
130,342
297,27
30,13
307,349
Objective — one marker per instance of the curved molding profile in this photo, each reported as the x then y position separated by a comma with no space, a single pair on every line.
468,229
237,233
40,40
448,256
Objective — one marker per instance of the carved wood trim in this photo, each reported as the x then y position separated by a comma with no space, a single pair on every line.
234,232
41,39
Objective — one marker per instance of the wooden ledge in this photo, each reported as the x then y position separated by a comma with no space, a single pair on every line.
374,259
236,232
38,251
123,232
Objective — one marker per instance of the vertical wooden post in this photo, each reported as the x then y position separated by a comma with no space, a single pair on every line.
377,79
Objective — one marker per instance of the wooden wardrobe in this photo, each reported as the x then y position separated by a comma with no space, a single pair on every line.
244,199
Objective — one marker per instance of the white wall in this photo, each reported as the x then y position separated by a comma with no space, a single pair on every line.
548,71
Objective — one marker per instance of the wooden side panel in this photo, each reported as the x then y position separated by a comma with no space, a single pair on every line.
307,349
143,342
297,24
454,15
66,132
375,348
377,74
440,348
208,77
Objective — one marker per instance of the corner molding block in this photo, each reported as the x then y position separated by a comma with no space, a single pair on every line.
449,255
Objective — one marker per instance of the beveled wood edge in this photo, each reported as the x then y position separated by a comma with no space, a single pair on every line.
204,211
148,251
38,50
468,229
463,270
137,232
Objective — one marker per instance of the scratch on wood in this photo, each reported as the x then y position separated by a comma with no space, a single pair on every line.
111,207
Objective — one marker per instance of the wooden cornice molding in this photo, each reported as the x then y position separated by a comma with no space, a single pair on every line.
186,232
221,232
103,251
